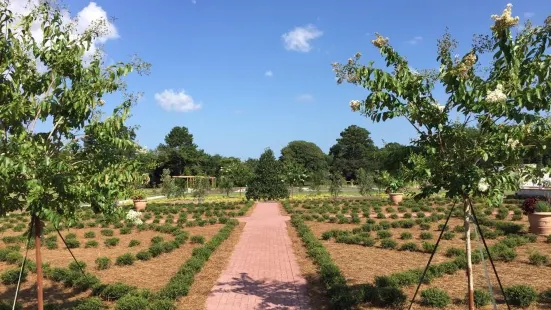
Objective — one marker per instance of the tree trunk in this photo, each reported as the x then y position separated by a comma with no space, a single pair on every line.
39,286
470,279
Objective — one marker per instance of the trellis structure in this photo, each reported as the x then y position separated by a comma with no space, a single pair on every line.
191,179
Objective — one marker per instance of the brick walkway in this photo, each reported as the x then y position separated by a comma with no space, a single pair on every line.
262,272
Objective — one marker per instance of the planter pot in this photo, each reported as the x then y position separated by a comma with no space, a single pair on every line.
396,198
540,223
140,204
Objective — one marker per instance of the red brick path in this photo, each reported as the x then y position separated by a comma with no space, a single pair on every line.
263,272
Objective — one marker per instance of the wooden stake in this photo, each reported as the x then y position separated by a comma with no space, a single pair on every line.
470,279
39,286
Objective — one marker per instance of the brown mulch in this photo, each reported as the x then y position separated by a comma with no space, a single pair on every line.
206,279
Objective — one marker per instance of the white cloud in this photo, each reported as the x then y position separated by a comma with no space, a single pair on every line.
269,73
305,98
89,16
170,100
415,40
529,14
300,38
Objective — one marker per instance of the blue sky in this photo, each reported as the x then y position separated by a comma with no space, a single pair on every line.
219,53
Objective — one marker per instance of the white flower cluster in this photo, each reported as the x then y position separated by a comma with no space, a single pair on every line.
483,186
496,95
512,143
134,217
355,105
505,20
440,107
380,41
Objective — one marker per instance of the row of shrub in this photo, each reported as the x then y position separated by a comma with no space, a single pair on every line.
340,295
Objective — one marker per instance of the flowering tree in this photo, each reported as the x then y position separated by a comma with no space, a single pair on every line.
294,174
471,144
48,173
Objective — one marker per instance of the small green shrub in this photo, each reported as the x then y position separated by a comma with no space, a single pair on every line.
77,266
14,258
89,234
521,295
455,252
71,236
103,263
434,297
501,252
384,234
162,304
125,231
143,255
428,247
11,276
406,235
130,302
426,235
424,226
157,239
156,249
538,259
111,242
134,243
125,259
91,244
107,232
388,243
197,239
481,298
114,291
545,297
72,243
448,235
409,246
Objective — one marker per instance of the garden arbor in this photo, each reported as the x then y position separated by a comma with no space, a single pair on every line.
191,180
500,106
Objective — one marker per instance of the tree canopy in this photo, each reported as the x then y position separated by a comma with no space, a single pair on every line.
49,173
353,150
307,154
508,100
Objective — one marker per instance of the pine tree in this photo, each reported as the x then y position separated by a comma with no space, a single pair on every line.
267,182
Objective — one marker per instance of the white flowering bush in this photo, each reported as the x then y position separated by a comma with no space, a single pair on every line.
135,217
473,143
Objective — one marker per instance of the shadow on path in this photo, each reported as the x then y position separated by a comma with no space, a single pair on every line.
272,294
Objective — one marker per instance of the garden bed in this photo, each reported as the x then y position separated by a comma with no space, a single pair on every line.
365,250
147,257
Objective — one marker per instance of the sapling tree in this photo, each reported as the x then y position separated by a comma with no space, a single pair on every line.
48,173
335,184
472,143
200,186
365,181
226,182
294,174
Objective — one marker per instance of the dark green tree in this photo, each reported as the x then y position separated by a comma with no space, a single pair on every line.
392,156
179,153
306,154
353,150
267,181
